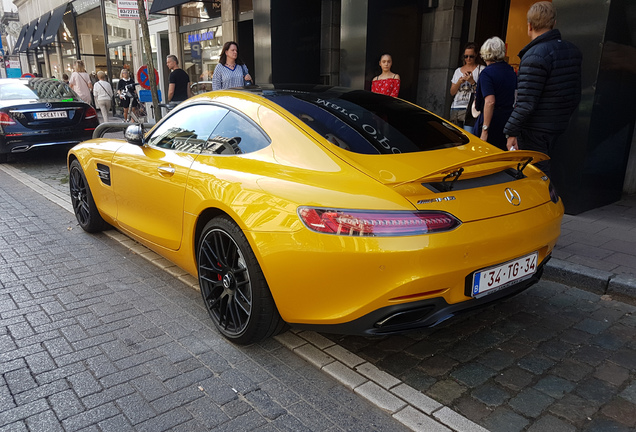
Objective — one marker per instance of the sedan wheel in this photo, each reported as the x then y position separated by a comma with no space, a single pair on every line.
83,205
233,286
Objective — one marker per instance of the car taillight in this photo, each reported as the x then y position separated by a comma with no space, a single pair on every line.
376,223
91,113
554,195
6,120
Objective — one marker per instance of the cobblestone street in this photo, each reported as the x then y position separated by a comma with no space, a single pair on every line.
551,359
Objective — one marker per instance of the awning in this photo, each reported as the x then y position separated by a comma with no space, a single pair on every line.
37,36
161,5
18,44
26,42
54,25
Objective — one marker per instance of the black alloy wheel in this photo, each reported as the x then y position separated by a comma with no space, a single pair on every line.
233,286
84,206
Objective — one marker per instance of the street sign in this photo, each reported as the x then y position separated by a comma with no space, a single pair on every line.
27,75
143,78
146,95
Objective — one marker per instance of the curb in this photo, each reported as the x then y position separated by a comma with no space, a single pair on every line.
597,281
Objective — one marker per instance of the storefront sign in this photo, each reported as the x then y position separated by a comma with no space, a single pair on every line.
129,9
201,37
82,6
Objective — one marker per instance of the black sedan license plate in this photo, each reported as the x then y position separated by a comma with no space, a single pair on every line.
495,278
50,114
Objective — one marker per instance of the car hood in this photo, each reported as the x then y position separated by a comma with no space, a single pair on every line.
483,176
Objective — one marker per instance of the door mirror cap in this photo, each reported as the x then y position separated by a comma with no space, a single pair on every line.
135,134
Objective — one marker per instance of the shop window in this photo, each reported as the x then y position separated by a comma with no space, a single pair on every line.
195,12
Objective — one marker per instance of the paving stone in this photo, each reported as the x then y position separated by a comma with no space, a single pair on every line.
472,408
491,395
592,355
497,359
437,365
550,423
530,402
514,378
473,374
574,409
417,421
625,357
446,391
621,411
596,391
505,420
136,408
630,393
535,363
605,425
206,413
612,373
553,386
571,370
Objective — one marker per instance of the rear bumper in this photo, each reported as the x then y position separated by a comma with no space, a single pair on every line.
29,140
419,314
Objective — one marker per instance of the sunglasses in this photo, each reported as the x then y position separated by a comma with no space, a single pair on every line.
469,56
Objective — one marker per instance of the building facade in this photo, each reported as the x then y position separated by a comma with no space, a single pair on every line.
339,42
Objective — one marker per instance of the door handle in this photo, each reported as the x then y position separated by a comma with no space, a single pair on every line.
166,170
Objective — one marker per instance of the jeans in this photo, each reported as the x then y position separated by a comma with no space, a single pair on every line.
104,106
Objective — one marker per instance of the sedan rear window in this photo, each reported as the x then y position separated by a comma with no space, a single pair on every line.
368,123
37,89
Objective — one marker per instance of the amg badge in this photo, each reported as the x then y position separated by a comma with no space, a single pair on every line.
434,200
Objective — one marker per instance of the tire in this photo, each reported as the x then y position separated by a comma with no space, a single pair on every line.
233,287
84,206
3,158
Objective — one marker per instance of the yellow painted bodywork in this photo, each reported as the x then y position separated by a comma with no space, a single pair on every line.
319,278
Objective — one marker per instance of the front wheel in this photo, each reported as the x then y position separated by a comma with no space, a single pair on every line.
83,204
233,286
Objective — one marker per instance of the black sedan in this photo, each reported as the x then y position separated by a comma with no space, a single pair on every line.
37,112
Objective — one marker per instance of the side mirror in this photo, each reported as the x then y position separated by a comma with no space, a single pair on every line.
134,134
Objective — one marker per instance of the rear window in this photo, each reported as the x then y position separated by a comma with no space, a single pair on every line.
368,123
37,89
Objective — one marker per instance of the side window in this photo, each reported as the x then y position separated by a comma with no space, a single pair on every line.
235,134
188,129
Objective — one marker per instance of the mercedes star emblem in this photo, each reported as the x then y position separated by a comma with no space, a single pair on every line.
512,196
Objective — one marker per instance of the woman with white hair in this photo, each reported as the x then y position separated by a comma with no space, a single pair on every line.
495,95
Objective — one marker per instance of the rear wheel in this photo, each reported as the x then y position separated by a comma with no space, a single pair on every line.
83,204
3,158
233,286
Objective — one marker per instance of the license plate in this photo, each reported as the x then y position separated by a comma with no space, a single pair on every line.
495,278
49,115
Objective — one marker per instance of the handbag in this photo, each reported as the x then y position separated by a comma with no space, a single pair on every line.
246,82
471,111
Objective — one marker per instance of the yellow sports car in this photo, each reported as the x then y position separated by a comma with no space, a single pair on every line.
333,209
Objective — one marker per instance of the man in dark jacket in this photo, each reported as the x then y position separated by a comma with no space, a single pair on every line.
548,86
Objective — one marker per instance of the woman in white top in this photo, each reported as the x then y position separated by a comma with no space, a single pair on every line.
80,82
103,92
464,83
231,71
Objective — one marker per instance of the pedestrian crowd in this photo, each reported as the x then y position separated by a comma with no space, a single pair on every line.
524,110
527,109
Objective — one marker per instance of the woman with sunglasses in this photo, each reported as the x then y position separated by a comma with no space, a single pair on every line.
464,83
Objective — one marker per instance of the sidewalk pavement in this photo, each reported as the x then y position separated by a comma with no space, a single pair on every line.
597,251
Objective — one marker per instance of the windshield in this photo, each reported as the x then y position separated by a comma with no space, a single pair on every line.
368,123
37,89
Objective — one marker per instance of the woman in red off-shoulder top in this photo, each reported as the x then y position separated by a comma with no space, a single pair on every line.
387,83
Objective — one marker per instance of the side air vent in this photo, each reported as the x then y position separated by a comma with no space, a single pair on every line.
103,172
